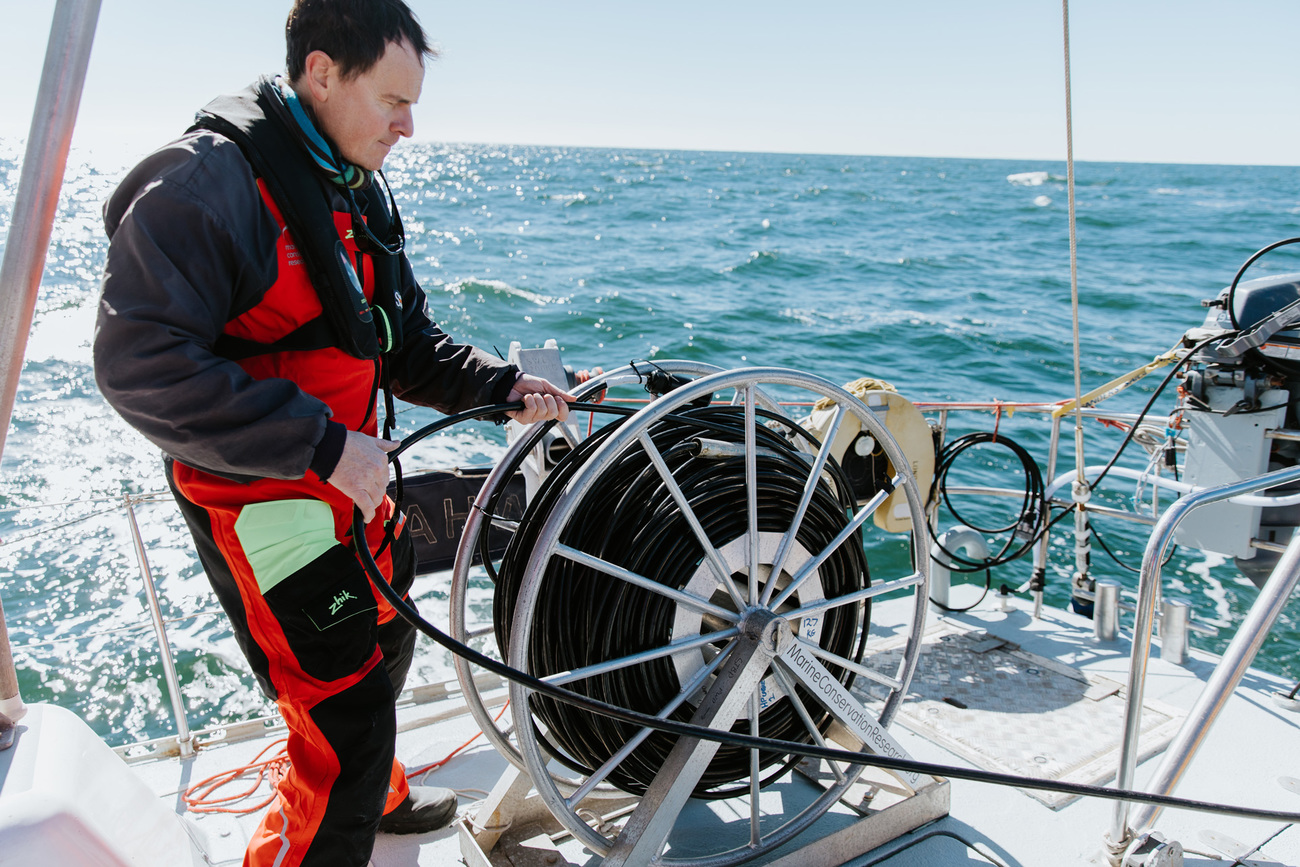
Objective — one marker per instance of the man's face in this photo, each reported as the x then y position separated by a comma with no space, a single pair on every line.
367,114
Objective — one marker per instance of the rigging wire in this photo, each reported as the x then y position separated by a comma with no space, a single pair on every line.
1074,252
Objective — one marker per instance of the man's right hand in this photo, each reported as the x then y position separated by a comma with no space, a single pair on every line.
362,471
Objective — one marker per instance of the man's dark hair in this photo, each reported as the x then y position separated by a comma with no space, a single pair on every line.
354,33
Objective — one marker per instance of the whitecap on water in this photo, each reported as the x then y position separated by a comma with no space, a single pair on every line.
1029,179
1212,588
501,287
1042,201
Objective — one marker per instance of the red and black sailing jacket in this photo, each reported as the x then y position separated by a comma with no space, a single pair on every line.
203,265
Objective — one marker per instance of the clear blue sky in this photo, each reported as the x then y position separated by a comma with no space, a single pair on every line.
1193,81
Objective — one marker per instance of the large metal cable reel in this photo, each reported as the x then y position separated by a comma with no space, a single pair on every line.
682,618
479,519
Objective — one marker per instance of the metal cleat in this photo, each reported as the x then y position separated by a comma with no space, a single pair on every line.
1153,850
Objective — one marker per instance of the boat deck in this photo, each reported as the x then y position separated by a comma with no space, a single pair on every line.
995,690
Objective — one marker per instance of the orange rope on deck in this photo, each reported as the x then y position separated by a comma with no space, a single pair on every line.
272,770
199,797
451,755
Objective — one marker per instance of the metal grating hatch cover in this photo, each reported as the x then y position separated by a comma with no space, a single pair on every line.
1004,709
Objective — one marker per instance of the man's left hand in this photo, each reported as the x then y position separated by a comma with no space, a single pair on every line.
542,400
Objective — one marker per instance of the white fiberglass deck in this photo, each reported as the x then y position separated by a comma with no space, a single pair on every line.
1061,727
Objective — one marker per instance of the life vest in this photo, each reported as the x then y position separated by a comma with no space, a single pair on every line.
362,323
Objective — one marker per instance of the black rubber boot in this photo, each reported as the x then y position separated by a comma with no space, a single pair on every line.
427,808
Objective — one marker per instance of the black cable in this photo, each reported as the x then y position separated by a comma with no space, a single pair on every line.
1027,520
1067,510
1128,437
1232,289
856,759
1026,525
1118,562
628,517
949,609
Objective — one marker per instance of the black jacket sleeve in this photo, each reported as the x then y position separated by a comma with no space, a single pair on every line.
191,247
433,370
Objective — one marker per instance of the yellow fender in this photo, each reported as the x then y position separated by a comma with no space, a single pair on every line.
905,424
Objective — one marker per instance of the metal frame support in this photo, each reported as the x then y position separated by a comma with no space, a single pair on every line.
72,32
1236,659
184,739
1119,836
642,838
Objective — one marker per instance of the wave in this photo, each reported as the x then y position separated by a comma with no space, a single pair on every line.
1031,179
571,199
500,287
771,261
756,259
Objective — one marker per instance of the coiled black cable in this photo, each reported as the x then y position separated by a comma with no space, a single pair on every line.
1028,520
629,518
408,613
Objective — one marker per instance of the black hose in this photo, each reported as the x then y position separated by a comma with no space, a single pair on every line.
1028,520
407,612
629,518
1232,289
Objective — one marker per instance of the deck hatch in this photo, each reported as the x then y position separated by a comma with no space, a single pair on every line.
1004,709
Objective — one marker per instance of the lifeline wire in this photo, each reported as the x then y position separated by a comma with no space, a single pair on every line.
856,759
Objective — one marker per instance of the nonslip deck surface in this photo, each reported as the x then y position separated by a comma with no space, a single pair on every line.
1030,688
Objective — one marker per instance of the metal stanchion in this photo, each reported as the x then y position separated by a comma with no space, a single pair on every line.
67,55
184,739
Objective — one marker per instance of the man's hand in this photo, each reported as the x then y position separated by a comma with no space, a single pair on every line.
542,400
362,471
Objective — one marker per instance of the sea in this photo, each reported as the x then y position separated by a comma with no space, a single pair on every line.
949,278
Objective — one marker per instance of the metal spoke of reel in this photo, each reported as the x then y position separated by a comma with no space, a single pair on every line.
715,577
480,520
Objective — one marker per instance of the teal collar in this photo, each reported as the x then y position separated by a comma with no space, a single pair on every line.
322,151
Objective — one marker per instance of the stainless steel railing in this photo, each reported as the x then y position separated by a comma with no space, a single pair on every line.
1236,659
66,57
183,738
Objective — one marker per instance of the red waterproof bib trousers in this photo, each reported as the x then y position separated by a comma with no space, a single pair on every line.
321,641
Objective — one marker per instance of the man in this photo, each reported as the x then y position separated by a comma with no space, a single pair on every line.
255,303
